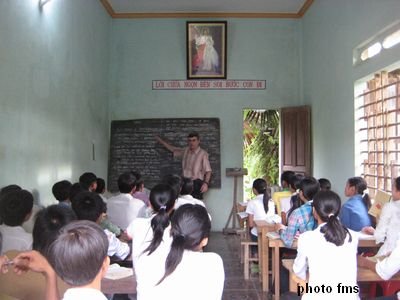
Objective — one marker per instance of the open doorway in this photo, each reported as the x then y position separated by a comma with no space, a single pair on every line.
260,147
275,141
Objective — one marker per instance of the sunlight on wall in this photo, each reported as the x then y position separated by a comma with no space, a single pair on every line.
44,177
64,173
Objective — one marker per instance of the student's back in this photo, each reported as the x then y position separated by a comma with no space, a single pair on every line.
329,264
261,207
285,194
15,208
354,213
149,234
387,229
185,196
185,272
79,257
197,277
89,206
31,285
328,252
124,208
301,219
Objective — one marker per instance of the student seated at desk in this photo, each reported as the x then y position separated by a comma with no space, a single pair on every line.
140,191
148,234
295,201
124,208
185,196
78,256
89,206
184,271
88,181
387,230
285,192
385,268
101,189
301,219
325,184
354,213
261,207
46,229
329,252
16,208
60,191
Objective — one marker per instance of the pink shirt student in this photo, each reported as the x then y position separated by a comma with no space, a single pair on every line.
140,191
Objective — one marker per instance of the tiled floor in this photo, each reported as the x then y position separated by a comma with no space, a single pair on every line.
236,288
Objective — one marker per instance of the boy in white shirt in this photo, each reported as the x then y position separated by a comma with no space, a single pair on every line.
90,206
124,208
15,209
81,243
185,196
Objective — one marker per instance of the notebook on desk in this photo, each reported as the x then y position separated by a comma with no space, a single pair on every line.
242,215
115,272
273,235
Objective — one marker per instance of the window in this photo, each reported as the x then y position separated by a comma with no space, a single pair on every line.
377,115
391,40
386,39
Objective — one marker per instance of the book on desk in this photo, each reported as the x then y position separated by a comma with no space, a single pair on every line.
273,235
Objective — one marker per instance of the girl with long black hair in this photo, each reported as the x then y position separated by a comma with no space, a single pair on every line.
149,233
329,252
354,214
185,272
261,207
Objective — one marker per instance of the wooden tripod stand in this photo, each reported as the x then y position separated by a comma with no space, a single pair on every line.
235,173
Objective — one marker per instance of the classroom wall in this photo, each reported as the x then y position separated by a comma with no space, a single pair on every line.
330,32
53,92
154,49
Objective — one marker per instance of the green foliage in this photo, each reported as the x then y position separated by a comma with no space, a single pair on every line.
261,145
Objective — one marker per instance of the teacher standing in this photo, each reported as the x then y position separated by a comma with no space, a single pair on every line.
195,163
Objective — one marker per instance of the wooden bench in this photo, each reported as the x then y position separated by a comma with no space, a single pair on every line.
246,256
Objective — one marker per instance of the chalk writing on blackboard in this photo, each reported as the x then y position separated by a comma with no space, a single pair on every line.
133,147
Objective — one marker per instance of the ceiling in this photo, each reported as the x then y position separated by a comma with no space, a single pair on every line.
206,8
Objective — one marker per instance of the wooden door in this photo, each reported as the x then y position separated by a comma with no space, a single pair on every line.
296,139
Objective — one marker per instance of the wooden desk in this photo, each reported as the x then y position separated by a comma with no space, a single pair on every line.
363,275
264,243
263,253
125,285
277,243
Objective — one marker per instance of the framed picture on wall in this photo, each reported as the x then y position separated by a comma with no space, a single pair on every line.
206,49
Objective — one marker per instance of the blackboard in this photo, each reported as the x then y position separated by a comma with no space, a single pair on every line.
133,147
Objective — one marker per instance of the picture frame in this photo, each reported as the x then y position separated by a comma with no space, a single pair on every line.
206,49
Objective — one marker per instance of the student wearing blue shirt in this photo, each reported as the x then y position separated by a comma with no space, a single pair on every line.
354,213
